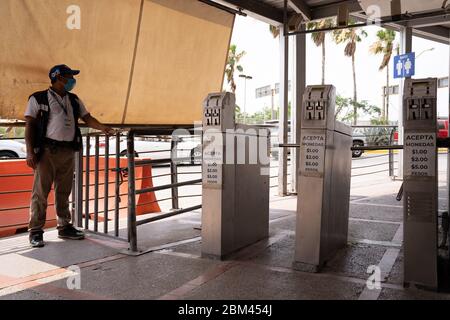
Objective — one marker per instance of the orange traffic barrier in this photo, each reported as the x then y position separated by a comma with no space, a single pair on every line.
147,202
16,178
18,181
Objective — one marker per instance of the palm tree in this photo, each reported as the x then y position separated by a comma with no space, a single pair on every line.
319,38
233,65
385,46
275,31
351,37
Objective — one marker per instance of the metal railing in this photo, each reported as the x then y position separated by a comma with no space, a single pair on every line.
98,206
83,172
173,186
383,140
373,141
87,195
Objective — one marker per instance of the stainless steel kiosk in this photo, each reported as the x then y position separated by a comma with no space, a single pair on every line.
235,205
323,180
420,184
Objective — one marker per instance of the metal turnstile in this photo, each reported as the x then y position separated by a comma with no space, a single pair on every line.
235,203
420,184
323,180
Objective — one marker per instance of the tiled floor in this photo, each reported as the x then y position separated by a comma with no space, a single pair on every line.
177,271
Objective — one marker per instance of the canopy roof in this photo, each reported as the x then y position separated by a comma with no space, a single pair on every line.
428,18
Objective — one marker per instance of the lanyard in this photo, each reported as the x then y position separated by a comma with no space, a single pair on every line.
59,103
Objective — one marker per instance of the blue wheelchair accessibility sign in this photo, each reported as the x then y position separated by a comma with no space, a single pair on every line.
405,65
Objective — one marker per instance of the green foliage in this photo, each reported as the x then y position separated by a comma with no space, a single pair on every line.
374,136
319,37
256,118
261,116
232,65
384,45
350,37
12,132
378,136
275,31
345,109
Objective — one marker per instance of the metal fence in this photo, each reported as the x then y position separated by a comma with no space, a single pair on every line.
173,186
375,138
107,162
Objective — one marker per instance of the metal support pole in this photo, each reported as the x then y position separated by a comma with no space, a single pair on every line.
88,160
448,150
72,198
96,179
174,172
391,154
132,228
117,187
78,218
106,188
283,118
245,99
405,47
298,90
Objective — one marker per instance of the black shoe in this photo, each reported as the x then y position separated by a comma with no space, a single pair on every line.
37,240
70,232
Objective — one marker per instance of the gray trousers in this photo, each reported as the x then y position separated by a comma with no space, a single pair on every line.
56,166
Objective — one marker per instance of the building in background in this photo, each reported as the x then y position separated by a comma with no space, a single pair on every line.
267,97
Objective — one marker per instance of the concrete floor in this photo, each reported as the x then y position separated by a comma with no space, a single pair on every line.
173,269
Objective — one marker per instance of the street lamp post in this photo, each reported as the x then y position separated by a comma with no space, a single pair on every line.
245,92
429,49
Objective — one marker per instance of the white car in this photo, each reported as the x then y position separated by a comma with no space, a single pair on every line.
12,149
359,140
188,148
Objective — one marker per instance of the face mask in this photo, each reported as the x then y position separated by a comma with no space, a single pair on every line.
70,84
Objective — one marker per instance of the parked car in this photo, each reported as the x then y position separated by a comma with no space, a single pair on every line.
188,148
12,149
359,140
442,130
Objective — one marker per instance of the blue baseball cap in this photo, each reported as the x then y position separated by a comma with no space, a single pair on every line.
62,70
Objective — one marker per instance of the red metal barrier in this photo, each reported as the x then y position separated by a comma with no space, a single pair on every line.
16,220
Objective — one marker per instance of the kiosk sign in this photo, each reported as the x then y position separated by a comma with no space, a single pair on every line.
312,152
420,154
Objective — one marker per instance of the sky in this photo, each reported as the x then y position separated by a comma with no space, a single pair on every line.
262,63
